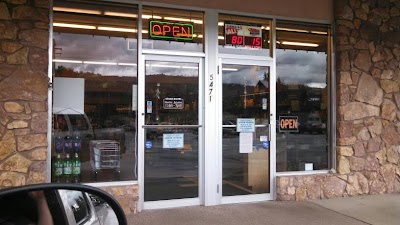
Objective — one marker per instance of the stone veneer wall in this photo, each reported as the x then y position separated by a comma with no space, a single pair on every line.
127,196
368,100
23,91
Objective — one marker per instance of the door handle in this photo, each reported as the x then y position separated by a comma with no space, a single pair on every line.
269,132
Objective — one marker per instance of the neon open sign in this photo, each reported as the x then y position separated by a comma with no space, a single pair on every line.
171,31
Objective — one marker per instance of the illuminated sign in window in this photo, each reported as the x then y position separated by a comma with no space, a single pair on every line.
243,36
171,31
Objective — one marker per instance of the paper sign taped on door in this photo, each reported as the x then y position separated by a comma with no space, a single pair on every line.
173,140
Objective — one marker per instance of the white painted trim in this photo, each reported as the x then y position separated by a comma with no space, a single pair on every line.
247,198
301,173
141,95
141,122
201,156
272,100
172,53
50,96
173,58
164,204
220,132
113,184
246,57
246,61
211,113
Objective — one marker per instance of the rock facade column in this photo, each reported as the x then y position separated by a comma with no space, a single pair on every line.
367,39
24,39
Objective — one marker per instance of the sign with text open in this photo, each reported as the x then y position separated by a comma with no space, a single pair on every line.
171,31
288,124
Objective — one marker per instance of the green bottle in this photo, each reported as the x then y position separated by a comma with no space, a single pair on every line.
58,168
76,168
67,168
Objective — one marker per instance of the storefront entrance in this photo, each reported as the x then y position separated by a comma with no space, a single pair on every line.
171,128
171,131
246,130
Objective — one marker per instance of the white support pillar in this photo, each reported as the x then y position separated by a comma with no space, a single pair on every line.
211,99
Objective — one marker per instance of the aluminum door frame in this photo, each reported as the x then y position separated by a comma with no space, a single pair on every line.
142,126
249,61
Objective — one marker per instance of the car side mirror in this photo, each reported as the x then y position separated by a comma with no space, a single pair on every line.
59,204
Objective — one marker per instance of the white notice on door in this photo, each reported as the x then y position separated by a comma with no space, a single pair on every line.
172,140
246,142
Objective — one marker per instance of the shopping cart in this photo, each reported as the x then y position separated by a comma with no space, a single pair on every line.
105,154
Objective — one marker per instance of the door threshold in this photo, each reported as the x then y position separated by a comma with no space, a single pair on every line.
247,198
165,204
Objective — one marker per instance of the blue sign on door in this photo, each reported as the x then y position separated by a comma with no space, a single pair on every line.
149,144
266,144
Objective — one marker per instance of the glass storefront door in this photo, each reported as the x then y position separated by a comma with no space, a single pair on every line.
172,129
246,118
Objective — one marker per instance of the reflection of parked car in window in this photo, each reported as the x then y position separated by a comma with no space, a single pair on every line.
229,131
124,122
314,124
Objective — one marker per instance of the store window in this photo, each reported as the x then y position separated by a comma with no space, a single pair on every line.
172,29
302,104
94,92
243,35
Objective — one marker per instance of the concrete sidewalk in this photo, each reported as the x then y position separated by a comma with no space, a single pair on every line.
372,209
379,210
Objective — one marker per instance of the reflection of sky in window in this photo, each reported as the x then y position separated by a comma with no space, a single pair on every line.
98,49
249,75
172,45
103,70
93,48
243,51
172,68
301,67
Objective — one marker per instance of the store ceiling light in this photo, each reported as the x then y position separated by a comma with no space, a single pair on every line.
119,14
221,38
265,27
292,30
229,69
151,17
221,24
127,64
78,26
99,63
299,44
73,10
190,67
163,66
118,29
198,35
183,20
66,61
319,32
